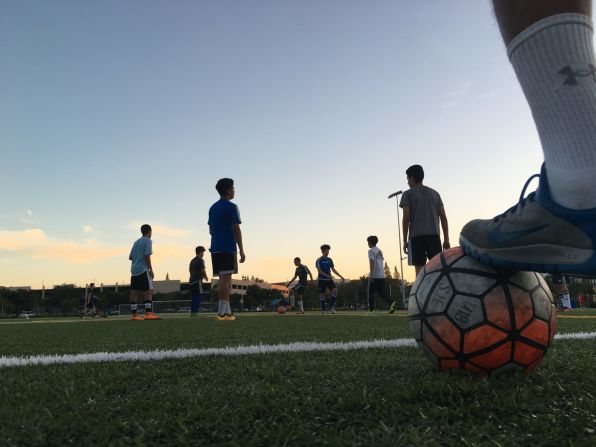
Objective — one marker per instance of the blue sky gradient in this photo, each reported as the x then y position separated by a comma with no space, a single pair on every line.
117,113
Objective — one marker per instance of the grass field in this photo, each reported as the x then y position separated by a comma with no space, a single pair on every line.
361,397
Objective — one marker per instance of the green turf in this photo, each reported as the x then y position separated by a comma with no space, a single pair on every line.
372,397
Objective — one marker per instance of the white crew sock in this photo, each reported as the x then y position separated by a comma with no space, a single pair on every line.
228,309
221,308
554,62
301,306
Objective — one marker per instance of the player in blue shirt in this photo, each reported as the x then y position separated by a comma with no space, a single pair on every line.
325,266
224,227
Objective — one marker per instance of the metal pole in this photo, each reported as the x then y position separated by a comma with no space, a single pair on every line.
401,259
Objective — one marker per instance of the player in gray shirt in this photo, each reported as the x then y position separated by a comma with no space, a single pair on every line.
423,210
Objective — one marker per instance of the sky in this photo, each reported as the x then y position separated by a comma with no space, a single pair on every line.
118,113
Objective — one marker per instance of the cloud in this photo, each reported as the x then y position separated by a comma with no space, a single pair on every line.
455,96
88,229
35,244
29,218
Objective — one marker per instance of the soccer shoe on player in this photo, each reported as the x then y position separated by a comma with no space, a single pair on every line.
230,317
152,316
537,234
392,307
221,318
136,317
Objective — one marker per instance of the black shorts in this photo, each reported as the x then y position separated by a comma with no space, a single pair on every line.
326,284
423,248
196,289
224,263
299,289
141,282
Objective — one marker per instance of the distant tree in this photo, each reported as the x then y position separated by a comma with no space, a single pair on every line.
387,271
395,273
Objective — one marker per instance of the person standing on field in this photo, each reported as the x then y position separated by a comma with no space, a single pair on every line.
423,210
197,275
141,280
224,227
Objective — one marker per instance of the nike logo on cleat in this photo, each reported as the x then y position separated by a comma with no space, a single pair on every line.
498,236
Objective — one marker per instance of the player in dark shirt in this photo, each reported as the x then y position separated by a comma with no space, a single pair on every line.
302,273
197,275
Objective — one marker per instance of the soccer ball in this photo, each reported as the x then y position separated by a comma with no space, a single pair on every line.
466,315
281,310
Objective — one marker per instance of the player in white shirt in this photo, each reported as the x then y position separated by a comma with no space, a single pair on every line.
376,276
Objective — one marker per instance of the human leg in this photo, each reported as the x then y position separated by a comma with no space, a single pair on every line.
550,44
370,295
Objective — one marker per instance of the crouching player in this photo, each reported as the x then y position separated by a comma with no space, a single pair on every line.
302,273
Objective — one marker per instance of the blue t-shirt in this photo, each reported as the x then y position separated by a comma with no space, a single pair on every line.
325,264
222,215
141,248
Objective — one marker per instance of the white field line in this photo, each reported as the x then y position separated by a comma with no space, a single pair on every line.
146,356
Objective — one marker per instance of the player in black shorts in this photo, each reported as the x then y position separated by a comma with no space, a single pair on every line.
423,211
326,284
302,272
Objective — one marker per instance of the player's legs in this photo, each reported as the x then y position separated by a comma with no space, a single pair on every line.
370,296
417,252
514,16
333,289
148,295
196,293
225,284
323,295
136,292
550,45
560,283
299,293
224,266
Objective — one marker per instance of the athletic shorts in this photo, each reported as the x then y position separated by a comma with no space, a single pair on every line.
141,282
224,263
326,284
423,248
196,289
299,289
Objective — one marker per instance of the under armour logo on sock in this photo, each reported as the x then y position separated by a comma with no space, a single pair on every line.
573,75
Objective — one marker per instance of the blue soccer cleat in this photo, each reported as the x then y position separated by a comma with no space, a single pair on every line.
537,235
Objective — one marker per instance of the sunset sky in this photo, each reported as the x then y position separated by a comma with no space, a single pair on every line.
119,113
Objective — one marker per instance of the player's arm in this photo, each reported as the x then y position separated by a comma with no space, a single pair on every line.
371,266
291,280
238,237
445,227
406,226
311,278
337,273
204,274
149,266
